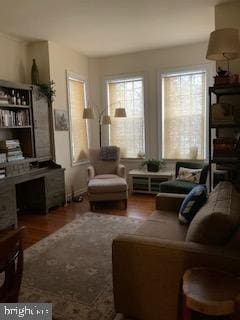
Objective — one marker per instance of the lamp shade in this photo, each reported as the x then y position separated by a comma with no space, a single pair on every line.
224,44
120,113
105,120
88,113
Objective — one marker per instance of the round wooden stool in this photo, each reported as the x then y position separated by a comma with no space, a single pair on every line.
211,292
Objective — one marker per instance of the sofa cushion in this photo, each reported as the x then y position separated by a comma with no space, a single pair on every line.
163,225
176,186
217,220
107,183
192,203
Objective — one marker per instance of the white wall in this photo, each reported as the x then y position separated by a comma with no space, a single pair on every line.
53,60
39,52
62,59
13,56
149,63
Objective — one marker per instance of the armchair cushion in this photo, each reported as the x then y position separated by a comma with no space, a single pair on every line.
108,183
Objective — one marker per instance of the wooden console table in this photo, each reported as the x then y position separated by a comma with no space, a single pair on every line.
143,181
39,189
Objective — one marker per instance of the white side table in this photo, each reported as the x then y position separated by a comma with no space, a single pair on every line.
143,181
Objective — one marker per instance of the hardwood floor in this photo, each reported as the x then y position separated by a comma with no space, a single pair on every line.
39,226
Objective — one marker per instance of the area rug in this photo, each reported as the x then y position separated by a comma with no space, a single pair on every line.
72,268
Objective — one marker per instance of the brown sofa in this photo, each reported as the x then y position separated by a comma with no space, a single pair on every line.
148,265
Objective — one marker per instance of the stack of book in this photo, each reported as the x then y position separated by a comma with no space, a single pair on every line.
12,148
2,173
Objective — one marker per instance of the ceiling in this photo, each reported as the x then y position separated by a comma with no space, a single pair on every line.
107,27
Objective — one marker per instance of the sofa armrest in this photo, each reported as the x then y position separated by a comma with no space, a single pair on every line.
147,273
121,171
169,201
90,172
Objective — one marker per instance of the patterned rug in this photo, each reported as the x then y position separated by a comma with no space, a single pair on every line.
72,267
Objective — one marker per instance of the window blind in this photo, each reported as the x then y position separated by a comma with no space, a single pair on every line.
127,133
184,116
78,124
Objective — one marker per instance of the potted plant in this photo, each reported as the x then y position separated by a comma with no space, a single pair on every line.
48,90
153,165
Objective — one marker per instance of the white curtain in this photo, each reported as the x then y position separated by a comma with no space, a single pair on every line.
78,124
184,116
127,133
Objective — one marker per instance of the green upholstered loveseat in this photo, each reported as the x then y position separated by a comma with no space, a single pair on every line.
180,186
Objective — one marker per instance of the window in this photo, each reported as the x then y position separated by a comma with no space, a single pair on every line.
184,115
78,126
127,133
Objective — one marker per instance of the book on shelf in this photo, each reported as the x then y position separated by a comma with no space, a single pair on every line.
3,101
227,159
14,152
225,147
12,149
3,98
3,157
2,173
12,143
10,118
15,158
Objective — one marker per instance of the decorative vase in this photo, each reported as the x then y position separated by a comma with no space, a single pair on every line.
34,73
152,167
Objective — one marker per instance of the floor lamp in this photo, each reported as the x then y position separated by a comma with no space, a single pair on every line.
104,119
224,44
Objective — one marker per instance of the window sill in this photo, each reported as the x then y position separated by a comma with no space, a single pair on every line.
132,159
80,163
184,160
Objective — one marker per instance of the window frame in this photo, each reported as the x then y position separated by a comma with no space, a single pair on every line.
209,70
74,76
124,77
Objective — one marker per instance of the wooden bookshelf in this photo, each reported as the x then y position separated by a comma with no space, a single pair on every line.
34,182
34,133
16,127
226,95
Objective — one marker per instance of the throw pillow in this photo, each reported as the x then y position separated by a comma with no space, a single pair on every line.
192,203
109,153
187,174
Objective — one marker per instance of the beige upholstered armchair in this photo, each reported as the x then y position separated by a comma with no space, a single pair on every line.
106,179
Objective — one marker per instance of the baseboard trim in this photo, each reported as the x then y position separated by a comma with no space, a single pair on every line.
76,193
